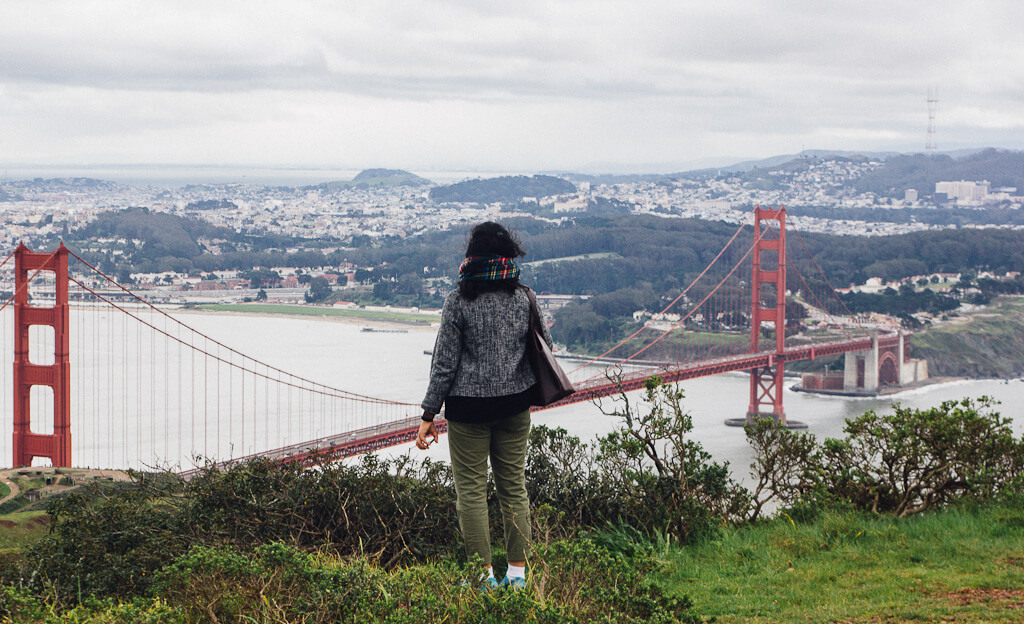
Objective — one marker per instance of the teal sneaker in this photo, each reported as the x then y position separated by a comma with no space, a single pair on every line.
491,584
515,584
487,585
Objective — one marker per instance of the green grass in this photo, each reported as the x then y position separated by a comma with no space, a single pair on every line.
1001,318
852,568
264,308
960,565
21,529
4,490
988,343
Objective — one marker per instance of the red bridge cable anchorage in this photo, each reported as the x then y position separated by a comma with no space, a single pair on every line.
343,394
669,306
693,309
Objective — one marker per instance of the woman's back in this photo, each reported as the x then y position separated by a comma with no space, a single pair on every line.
481,346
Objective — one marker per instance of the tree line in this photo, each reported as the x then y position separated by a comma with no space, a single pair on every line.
640,261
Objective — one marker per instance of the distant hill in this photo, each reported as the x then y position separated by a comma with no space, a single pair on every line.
377,177
502,189
775,161
56,185
615,178
921,172
160,233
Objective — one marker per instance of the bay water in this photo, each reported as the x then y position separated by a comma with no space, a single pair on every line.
395,365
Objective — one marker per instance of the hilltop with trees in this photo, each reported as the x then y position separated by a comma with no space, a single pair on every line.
502,189
368,178
1001,168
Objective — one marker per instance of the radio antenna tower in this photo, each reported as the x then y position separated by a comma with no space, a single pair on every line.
933,104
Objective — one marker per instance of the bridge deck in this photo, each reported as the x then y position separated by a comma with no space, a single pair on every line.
369,439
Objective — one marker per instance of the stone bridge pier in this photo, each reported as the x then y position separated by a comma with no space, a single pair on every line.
886,363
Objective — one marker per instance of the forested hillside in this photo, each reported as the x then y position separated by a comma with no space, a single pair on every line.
921,172
158,241
662,252
623,263
957,217
502,189
160,233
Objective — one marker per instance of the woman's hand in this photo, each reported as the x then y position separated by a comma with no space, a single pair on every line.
427,429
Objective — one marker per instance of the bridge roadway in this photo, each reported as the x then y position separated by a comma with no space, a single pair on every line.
359,441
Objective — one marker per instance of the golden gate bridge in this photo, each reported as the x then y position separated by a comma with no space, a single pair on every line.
96,366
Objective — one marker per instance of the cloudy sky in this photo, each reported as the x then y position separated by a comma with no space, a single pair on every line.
496,85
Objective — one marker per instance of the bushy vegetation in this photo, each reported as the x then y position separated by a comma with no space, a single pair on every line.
573,581
648,475
899,303
108,543
901,463
377,540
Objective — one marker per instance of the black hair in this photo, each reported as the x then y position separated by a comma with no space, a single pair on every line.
491,239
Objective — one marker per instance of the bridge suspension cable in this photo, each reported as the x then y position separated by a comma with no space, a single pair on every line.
151,390
671,304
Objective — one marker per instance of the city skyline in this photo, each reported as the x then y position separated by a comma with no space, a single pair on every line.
655,86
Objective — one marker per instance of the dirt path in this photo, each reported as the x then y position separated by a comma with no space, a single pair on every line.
15,490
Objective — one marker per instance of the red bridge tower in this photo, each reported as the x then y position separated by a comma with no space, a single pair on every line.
57,376
768,307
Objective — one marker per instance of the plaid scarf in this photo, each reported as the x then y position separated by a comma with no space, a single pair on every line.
481,268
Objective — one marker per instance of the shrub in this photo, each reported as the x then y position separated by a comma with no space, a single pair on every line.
786,470
564,483
901,463
593,584
392,510
111,541
912,460
647,474
18,604
109,544
14,504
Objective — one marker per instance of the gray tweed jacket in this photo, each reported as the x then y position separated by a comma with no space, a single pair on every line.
481,348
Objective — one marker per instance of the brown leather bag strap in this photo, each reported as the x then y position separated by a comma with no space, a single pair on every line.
535,319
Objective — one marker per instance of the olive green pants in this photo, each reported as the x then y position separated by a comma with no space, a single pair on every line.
504,441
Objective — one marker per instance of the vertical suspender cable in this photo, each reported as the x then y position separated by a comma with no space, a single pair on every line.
167,386
192,401
244,452
124,395
108,403
152,394
206,400
217,395
266,409
231,404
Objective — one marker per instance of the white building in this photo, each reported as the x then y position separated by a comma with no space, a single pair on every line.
964,191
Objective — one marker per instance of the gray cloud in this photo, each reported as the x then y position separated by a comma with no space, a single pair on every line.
651,81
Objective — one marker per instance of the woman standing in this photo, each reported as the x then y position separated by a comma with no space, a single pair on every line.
481,375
